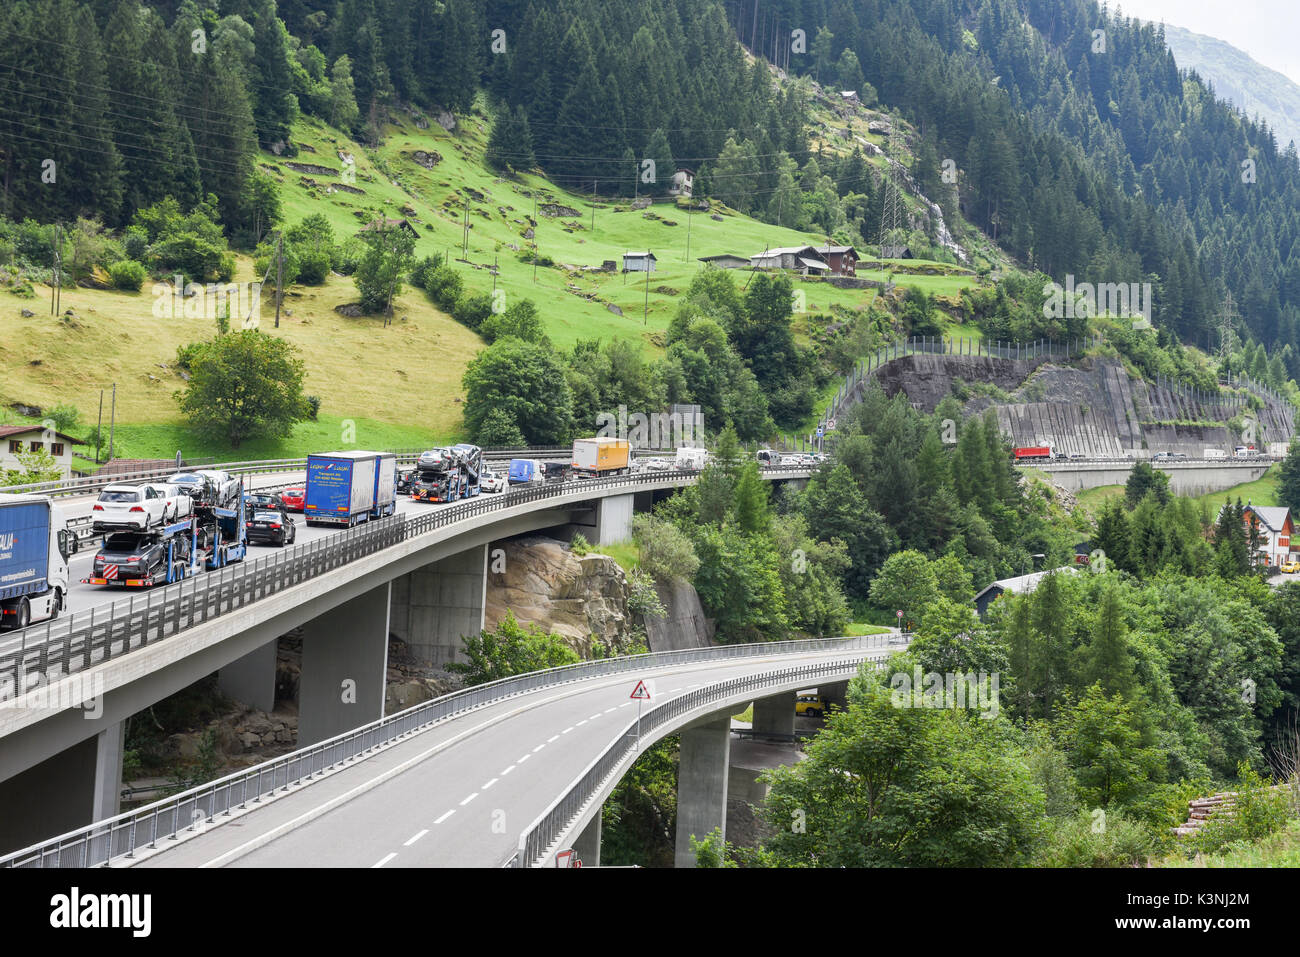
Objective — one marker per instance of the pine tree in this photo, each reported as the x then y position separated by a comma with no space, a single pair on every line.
274,105
1108,660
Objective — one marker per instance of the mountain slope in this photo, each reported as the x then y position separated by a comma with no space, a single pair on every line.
1236,77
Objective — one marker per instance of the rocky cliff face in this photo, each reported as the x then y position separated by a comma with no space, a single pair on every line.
582,599
683,625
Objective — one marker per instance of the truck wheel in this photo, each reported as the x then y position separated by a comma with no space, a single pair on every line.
24,614
58,605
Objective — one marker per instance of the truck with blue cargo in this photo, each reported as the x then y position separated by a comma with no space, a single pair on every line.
34,548
341,487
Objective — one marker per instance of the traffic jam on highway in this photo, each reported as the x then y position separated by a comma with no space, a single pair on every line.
160,532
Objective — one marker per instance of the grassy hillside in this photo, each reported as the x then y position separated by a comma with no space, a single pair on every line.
398,384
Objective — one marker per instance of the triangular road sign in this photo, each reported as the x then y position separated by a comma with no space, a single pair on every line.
641,691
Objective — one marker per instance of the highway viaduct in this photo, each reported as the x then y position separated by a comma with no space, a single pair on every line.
419,575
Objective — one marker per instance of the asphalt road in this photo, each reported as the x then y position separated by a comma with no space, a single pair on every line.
457,794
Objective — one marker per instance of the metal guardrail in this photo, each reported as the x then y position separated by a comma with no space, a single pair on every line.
92,637
541,835
94,483
145,827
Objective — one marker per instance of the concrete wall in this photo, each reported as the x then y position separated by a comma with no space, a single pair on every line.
1191,479
435,607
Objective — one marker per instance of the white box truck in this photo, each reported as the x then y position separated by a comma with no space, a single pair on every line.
34,549
1215,454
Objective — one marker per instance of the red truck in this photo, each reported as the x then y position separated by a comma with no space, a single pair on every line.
1034,453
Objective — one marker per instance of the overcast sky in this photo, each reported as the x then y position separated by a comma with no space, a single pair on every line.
1269,30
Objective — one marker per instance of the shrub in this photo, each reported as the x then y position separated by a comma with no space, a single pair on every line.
128,274
135,242
186,354
64,416
313,267
349,256
444,286
472,310
226,267
422,270
579,545
1088,841
313,406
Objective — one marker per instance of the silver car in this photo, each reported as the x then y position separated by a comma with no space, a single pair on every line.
179,504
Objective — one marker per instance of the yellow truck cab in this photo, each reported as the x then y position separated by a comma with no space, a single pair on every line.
809,704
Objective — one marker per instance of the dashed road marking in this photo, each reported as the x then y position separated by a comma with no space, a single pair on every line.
384,861
445,816
567,730
610,710
626,704
507,770
538,748
490,783
523,759
552,739
416,838
594,716
582,722
468,799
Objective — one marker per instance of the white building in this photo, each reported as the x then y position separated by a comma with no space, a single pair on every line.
639,262
31,438
683,183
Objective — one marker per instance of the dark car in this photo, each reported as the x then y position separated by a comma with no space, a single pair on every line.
198,487
128,557
256,500
270,525
556,471
406,480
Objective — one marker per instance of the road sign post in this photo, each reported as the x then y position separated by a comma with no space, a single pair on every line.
642,692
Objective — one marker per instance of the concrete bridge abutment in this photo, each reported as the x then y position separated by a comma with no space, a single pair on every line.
344,667
437,606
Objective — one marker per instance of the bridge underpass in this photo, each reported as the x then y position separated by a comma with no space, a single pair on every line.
347,613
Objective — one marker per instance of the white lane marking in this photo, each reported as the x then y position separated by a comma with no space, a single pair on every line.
416,838
594,716
538,748
468,799
567,730
674,690
384,861
490,783
523,759
610,710
507,770
626,704
553,738
445,816
582,722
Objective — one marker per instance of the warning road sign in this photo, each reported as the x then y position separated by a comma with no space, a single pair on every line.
642,691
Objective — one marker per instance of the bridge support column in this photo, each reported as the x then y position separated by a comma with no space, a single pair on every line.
251,679
702,784
435,607
344,667
614,519
775,714
587,846
835,696
76,787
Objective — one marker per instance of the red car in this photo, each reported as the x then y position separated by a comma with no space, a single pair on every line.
293,498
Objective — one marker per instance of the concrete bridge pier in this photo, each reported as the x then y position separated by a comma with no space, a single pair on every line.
76,787
587,845
702,783
436,606
344,667
251,679
835,696
775,714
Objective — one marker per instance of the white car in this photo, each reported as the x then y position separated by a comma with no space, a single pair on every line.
208,487
788,460
228,487
179,505
491,482
128,506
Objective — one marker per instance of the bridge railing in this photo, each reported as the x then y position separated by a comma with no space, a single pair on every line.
194,810
84,639
540,836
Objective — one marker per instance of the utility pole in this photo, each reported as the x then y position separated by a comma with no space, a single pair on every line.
279,274
496,257
645,316
112,421
595,194
537,246
690,208
465,240
54,275
99,427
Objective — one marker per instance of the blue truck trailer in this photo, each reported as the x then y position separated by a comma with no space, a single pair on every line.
34,549
347,488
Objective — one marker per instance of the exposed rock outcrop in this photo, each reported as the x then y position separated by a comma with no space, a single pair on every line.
684,624
544,583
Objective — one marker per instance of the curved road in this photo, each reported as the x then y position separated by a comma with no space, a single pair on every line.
460,792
